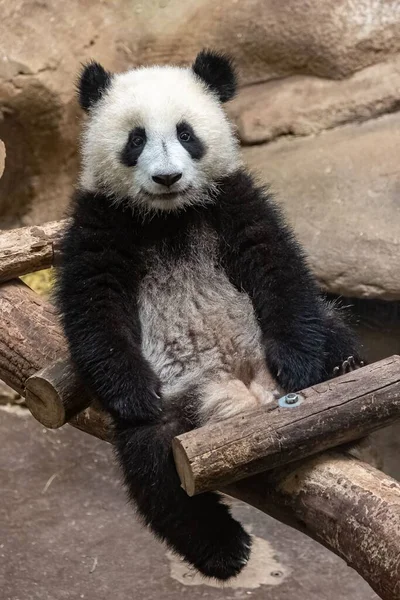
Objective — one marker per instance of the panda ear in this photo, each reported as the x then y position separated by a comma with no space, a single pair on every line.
218,72
92,83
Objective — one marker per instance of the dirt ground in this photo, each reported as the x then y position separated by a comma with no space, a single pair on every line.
66,532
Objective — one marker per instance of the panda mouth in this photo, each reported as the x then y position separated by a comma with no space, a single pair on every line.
167,195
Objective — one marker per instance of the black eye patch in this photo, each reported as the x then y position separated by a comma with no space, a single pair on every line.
189,140
133,147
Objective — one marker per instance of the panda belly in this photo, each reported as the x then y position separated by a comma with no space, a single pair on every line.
200,334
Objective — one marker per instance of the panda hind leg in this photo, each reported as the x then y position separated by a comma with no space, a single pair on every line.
200,529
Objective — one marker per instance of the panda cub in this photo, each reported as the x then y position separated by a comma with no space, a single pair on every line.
182,290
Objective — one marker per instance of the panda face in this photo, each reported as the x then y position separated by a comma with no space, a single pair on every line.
156,137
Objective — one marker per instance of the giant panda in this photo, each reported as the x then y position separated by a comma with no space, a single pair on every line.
182,290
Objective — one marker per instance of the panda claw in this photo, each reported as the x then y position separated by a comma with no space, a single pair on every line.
347,366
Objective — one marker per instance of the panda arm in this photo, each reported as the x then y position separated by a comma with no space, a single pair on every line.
97,298
262,258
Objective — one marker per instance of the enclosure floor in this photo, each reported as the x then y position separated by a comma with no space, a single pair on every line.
66,532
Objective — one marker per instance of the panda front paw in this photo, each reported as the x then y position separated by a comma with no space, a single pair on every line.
347,366
295,370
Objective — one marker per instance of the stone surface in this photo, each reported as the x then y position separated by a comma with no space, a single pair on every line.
66,532
43,43
303,105
341,192
271,39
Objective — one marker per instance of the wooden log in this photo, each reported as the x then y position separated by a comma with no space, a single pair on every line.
54,395
95,421
331,413
29,249
31,346
349,507
30,336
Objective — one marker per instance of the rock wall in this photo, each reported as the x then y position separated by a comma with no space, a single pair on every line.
341,192
305,67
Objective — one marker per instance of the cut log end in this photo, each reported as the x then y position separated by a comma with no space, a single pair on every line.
44,403
54,395
183,467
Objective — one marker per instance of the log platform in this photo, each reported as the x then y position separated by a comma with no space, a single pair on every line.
281,460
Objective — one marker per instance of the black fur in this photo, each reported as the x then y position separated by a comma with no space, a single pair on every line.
103,261
132,151
93,82
218,72
200,529
304,337
195,147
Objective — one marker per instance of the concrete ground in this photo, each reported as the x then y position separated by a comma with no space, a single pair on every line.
66,532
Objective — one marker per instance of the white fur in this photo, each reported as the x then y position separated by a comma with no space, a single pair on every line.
199,332
157,98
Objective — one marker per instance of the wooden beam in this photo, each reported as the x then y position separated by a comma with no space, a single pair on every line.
30,336
94,421
332,413
349,507
33,353
29,249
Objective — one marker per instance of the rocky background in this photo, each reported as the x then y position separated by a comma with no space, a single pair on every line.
318,113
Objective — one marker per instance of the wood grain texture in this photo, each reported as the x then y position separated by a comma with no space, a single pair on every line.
349,507
33,349
54,395
95,421
332,413
30,336
29,249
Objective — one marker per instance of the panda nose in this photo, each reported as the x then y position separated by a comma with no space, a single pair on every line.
167,179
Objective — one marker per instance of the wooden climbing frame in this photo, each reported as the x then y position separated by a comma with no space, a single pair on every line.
280,459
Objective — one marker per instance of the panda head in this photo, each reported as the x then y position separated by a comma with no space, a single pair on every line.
158,137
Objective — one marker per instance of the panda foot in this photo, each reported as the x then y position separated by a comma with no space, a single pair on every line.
347,366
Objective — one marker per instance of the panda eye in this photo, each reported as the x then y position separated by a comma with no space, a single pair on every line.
137,141
185,136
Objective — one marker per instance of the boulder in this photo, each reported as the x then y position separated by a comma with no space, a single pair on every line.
303,105
269,39
42,44
341,192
